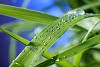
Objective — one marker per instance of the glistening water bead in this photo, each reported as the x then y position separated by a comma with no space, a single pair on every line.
57,60
80,12
77,12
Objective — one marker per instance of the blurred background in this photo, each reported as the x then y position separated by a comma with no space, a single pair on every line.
10,48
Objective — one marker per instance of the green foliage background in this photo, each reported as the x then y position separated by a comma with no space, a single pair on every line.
82,51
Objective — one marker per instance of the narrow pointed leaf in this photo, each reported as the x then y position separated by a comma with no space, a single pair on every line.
72,51
26,42
30,15
78,56
26,14
22,40
46,38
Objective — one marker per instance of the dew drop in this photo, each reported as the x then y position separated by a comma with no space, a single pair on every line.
57,60
62,20
24,51
51,58
80,12
49,37
41,48
32,61
64,56
44,44
58,28
55,30
35,37
17,64
72,17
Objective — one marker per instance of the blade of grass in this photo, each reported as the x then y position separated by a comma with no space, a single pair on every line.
46,38
46,54
59,26
78,56
29,15
62,63
26,14
72,51
22,40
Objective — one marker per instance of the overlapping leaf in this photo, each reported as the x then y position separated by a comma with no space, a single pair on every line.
72,51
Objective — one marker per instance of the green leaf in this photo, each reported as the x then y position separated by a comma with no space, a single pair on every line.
72,51
30,15
20,39
26,14
46,38
78,56
24,41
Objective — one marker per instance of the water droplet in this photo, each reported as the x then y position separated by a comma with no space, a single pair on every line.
35,37
49,37
32,61
51,58
62,20
72,17
17,64
80,12
58,28
64,56
55,30
23,50
57,60
41,48
44,44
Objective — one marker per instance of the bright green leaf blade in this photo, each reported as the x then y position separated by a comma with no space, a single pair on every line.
46,38
26,42
73,51
78,56
22,40
26,14
29,15
62,63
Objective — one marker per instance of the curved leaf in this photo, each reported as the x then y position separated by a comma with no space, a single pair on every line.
72,51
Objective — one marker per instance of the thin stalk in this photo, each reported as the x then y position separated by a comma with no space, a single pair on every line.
78,56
